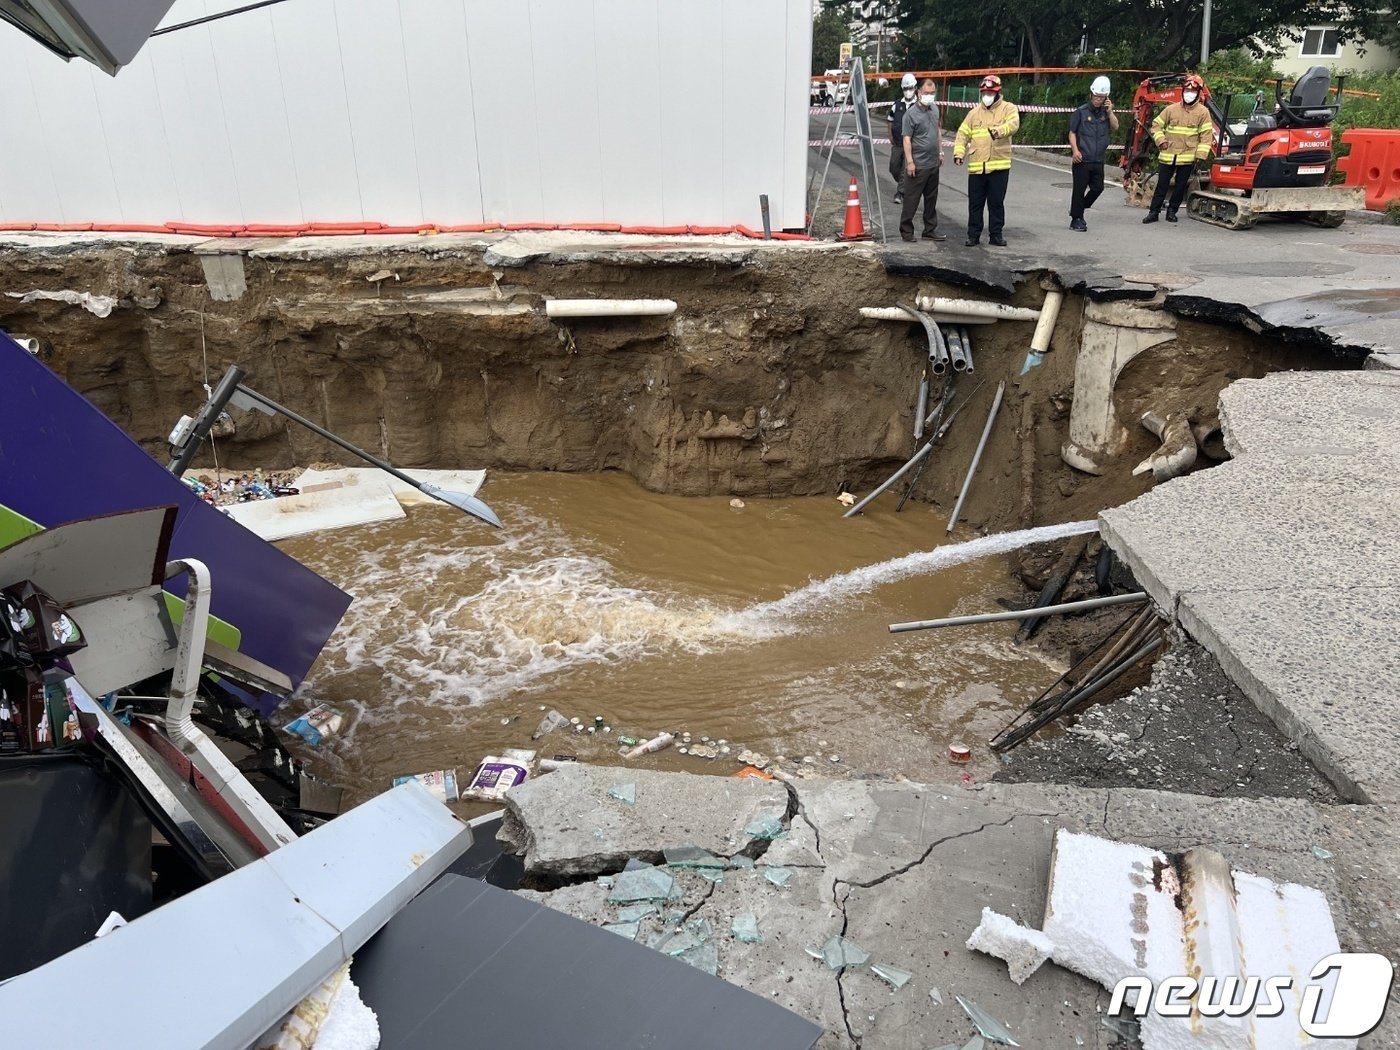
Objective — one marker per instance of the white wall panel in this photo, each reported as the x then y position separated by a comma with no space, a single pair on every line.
444,129
318,116
632,89
642,112
693,146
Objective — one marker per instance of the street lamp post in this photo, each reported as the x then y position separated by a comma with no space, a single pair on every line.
1205,36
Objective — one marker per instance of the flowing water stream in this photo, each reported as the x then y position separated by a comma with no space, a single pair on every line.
766,627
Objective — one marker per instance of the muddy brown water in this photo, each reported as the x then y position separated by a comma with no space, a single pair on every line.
764,626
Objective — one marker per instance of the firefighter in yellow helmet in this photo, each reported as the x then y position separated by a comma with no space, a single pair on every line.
983,143
1183,133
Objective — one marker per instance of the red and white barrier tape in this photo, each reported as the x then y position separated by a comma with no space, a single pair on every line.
845,142
1023,107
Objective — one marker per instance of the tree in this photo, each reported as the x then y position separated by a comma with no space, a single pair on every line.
830,30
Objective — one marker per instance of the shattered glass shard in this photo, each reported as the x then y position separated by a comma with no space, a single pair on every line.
644,884
624,929
624,793
839,953
896,977
701,928
778,876
1322,854
815,953
988,1025
673,916
705,957
1127,1029
692,856
745,928
682,942
742,861
711,875
635,912
633,864
765,827
975,1043
936,996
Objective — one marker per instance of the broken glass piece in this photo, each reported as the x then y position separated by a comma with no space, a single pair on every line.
815,953
975,1043
839,952
660,939
635,912
1322,854
936,996
624,793
896,977
705,957
742,861
745,927
1127,1029
682,942
625,929
692,856
673,916
779,877
988,1025
633,864
606,881
701,928
1078,1040
711,874
765,827
644,884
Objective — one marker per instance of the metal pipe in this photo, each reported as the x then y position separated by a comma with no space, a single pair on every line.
204,422
767,219
955,349
1018,614
609,307
976,308
894,313
937,349
1078,699
913,460
977,456
967,346
922,407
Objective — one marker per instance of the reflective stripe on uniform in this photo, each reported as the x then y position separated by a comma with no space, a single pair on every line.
989,165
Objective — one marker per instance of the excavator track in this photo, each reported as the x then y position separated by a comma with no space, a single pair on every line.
1231,213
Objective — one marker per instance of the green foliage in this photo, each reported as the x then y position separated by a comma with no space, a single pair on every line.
829,32
1392,213
1361,112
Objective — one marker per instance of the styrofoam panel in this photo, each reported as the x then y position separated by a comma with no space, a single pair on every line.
308,59
440,92
201,156
26,184
790,205
633,93
77,152
507,99
254,110
693,144
571,169
133,127
752,92
371,47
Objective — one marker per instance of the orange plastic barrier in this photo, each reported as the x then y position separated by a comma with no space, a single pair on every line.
16,227
472,227
657,231
530,226
594,227
1374,162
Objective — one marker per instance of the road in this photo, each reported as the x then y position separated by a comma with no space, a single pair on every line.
1275,261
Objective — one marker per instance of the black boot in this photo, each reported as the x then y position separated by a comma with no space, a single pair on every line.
1150,217
1171,215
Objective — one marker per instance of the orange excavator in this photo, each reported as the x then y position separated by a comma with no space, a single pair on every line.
1261,163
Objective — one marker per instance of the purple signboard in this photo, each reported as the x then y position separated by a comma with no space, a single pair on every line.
61,459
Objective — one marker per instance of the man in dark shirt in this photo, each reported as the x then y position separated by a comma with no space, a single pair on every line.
909,86
1089,129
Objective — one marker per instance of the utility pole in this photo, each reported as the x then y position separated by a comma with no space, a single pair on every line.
1205,36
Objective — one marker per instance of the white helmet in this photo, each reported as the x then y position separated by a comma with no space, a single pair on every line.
910,80
1101,86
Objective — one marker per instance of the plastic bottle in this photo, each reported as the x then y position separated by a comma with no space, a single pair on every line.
656,743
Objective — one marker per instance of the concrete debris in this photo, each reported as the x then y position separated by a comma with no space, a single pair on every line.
1021,948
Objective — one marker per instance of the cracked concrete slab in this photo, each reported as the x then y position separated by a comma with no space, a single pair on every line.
903,870
566,824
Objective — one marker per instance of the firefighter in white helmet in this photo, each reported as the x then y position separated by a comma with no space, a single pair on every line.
1090,128
983,143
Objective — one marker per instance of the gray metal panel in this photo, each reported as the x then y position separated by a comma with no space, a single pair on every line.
118,27
467,964
129,638
90,558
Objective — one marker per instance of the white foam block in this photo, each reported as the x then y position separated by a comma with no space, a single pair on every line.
334,508
466,481
1022,948
1111,911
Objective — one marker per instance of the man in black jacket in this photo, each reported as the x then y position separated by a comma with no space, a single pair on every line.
1089,129
909,88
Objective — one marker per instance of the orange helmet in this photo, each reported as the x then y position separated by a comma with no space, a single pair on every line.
1192,81
991,82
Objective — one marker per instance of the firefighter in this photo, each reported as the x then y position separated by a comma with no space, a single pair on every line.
1183,133
984,144
909,89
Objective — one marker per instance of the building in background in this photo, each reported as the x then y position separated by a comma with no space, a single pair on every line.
408,112
1321,45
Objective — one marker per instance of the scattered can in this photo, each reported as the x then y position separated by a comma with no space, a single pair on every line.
959,752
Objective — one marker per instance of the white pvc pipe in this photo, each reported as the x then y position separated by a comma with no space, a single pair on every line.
609,307
1045,326
894,313
976,308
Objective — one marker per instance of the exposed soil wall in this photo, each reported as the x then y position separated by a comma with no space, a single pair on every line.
764,382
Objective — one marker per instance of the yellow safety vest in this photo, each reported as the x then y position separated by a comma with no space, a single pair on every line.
1183,133
974,141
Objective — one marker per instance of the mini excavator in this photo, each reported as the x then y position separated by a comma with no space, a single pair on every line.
1277,163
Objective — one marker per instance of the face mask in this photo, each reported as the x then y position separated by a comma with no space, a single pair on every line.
926,100
1189,97
989,100
909,93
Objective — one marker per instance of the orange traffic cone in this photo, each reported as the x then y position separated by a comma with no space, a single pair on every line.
855,223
